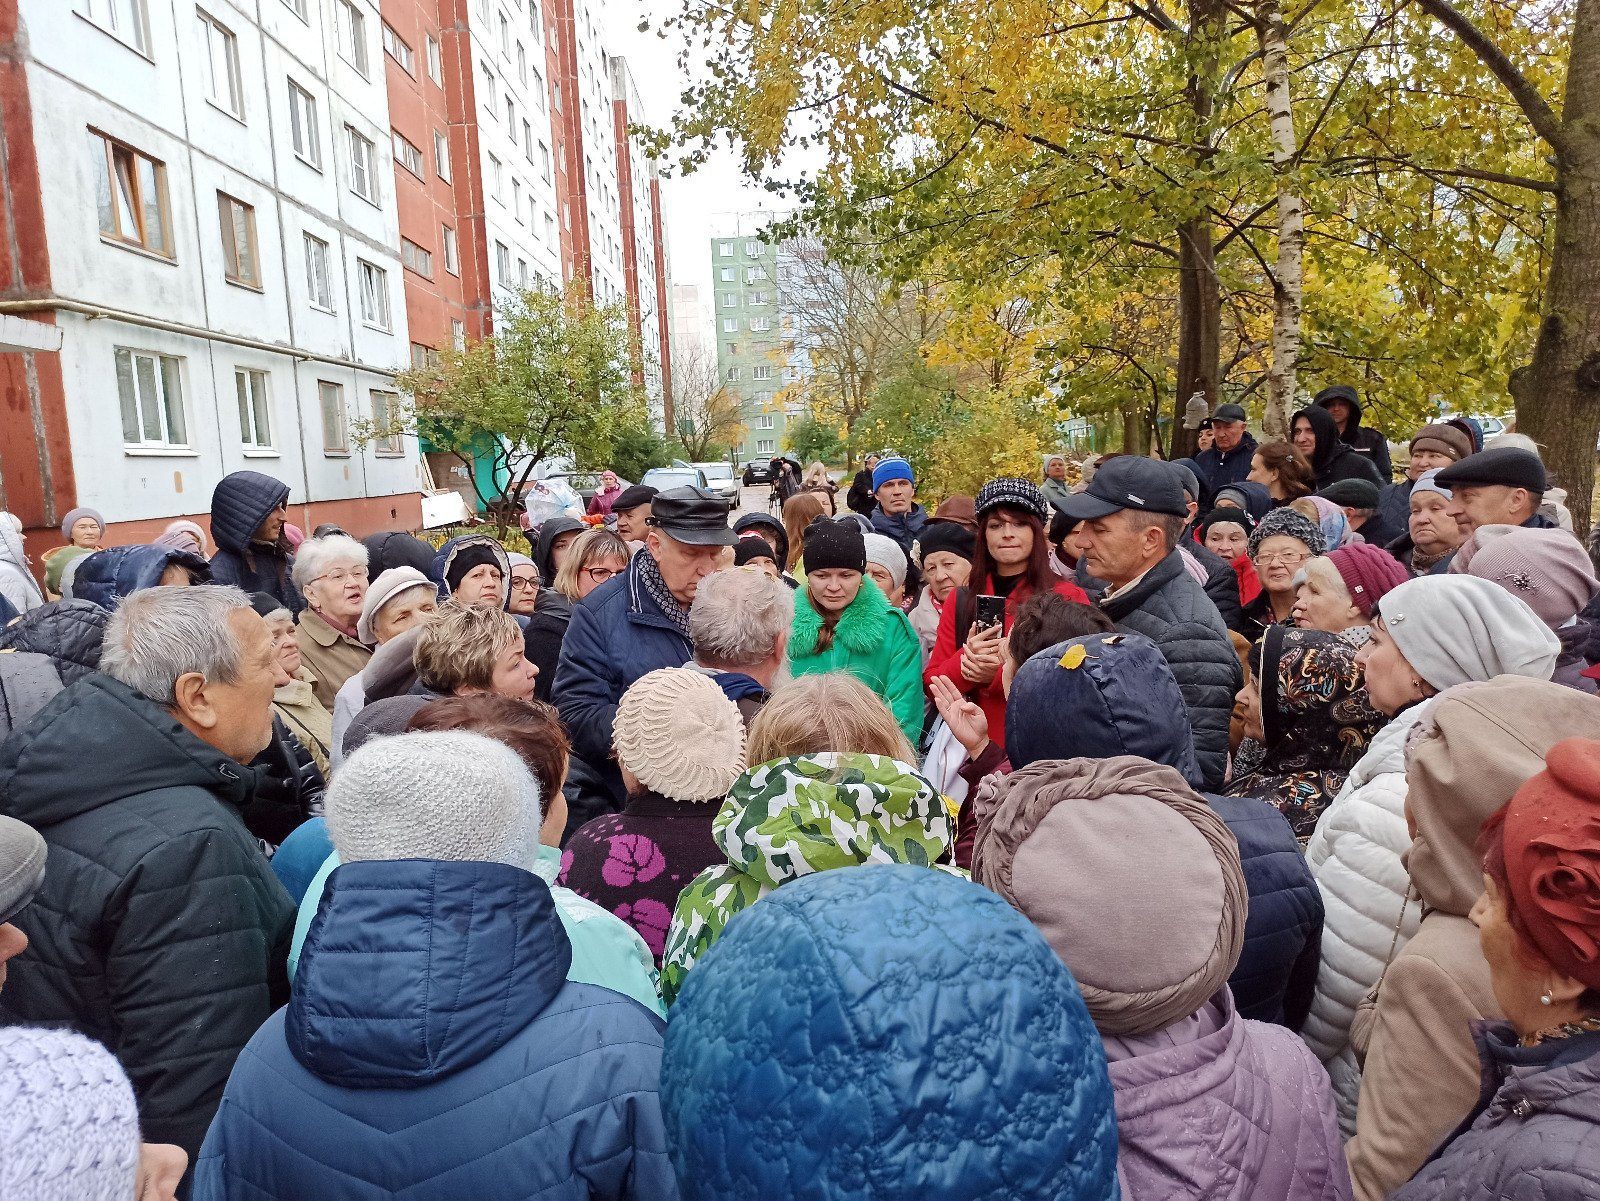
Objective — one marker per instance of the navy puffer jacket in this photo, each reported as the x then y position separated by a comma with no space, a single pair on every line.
448,552
239,504
435,1048
886,1033
68,632
106,576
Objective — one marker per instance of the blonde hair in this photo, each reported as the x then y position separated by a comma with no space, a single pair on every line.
816,476
458,648
828,711
587,549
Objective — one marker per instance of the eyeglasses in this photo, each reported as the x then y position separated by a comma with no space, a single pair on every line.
524,583
340,574
600,574
1289,558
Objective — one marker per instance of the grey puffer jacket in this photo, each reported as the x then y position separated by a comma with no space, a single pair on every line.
1168,607
1533,1135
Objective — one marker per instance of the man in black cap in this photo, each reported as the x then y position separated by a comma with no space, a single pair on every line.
1497,487
632,510
1344,406
633,624
1130,519
1232,448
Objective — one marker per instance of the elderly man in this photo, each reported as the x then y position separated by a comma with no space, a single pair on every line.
632,511
1130,520
898,514
160,930
739,624
1232,447
633,624
1501,486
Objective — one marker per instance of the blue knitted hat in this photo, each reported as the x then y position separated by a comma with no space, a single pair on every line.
891,469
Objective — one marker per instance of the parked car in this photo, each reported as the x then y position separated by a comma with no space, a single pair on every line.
662,478
721,478
757,471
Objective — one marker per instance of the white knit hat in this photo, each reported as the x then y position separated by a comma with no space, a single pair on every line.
680,735
68,1123
385,588
886,553
1455,628
449,795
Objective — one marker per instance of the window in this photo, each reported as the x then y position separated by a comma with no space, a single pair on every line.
434,59
764,446
224,87
527,141
555,95
386,417
407,155
132,192
522,272
730,300
760,325
763,371
550,228
752,249
733,375
502,263
458,334
544,161
397,49
491,97
374,294
516,199
758,298
496,178
255,416
318,283
416,257
241,262
725,250
505,35
537,90
511,120
423,356
298,7
726,274
764,422
754,274
125,20
150,387
730,325
335,422
303,130
350,25
522,65
535,21
363,177
441,154
447,240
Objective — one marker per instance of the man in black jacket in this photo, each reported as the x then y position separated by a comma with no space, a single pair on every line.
1315,435
160,929
860,498
1131,518
1344,406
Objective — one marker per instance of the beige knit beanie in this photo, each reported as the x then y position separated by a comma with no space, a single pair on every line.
680,735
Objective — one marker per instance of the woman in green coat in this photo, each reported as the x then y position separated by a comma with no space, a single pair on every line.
842,622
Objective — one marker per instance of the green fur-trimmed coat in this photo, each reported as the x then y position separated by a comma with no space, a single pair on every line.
874,642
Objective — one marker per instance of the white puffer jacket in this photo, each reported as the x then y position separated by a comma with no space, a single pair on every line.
17,584
1355,856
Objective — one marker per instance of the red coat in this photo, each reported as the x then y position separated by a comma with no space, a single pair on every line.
946,657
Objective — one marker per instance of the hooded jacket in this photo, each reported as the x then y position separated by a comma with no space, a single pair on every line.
766,523
1532,1136
1333,460
108,575
434,1047
67,632
874,642
440,567
795,816
1363,439
1174,612
1479,743
18,588
240,503
395,549
886,1034
1218,468
160,929
544,549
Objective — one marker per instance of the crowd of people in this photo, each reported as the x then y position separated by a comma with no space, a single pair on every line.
1219,828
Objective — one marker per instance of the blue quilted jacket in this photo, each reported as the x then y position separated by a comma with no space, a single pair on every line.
435,1049
107,576
886,1034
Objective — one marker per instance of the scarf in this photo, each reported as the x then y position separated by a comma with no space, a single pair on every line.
1422,563
650,577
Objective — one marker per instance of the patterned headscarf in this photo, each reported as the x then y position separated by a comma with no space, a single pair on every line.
1317,721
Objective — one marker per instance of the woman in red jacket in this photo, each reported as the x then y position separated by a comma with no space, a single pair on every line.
1011,560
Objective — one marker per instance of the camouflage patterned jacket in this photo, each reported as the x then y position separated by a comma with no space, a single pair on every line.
792,817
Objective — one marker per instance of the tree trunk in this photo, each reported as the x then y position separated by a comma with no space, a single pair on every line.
1199,327
1558,397
1288,284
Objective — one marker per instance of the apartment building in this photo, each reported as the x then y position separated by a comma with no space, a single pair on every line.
751,351
201,197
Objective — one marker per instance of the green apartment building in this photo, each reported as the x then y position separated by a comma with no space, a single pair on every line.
750,338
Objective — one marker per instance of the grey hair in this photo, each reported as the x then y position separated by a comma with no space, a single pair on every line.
1170,524
159,634
318,556
738,616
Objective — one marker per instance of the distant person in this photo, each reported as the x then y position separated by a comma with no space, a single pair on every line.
1055,486
898,514
606,495
1232,448
1361,501
18,589
860,498
1315,434
248,514
1344,406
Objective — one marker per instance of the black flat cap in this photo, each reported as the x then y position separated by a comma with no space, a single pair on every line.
632,497
1507,466
1357,494
692,515
1230,412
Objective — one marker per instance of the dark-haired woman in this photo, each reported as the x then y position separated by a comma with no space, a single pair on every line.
1011,560
1283,469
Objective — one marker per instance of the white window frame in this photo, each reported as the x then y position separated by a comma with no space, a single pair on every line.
733,375
363,155
372,283
497,179
730,300
458,333
319,274
441,154
502,263
516,200
165,372
305,132
450,248
752,248
387,446
727,275
759,298
760,324
397,48
407,154
299,8
544,161
335,419
761,371
224,79
730,325
764,446
433,58
126,20
536,21
350,26
724,250
764,422
254,394
416,258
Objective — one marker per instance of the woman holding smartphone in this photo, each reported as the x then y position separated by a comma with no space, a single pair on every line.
1010,563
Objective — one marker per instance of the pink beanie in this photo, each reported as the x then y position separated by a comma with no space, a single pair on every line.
1549,569
1367,572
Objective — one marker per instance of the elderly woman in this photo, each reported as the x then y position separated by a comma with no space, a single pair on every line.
1280,546
400,599
1075,845
1428,635
1432,534
84,527
944,557
294,697
886,567
1338,592
1479,744
331,573
1533,1119
595,556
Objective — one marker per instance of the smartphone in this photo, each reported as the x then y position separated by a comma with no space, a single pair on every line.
991,612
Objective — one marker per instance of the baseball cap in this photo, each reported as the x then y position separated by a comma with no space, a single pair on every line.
1130,482
1230,412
